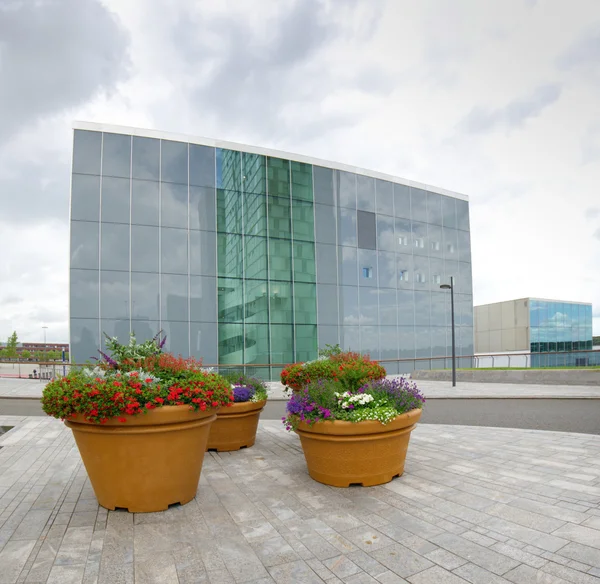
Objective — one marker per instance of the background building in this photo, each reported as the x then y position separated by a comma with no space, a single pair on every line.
246,255
532,325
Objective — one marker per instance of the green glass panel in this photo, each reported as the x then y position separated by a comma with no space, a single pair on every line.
257,343
304,262
229,170
255,251
306,342
305,303
257,301
255,215
229,255
279,217
278,177
229,211
282,343
231,343
254,173
280,259
303,220
281,305
302,181
231,300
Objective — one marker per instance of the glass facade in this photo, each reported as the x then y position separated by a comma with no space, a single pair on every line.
243,258
560,327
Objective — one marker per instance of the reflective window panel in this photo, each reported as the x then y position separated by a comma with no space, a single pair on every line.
85,197
116,155
87,148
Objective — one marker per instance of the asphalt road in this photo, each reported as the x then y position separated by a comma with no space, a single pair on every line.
561,415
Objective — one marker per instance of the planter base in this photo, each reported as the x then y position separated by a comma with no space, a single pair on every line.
147,463
235,427
367,453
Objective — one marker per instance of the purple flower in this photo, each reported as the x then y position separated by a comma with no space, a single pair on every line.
108,359
242,393
162,343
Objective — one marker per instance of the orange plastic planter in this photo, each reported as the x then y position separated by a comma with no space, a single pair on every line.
235,426
340,453
147,463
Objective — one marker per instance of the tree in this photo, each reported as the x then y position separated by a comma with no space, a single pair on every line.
11,346
52,355
3,354
25,354
40,356
66,355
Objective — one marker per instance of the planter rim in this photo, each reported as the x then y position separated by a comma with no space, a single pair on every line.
159,416
242,407
346,428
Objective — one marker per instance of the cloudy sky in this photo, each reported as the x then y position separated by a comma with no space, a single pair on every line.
497,100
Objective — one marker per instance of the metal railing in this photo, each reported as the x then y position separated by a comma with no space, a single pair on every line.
47,370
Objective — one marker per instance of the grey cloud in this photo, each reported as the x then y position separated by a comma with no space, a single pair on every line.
582,53
592,213
590,144
254,77
512,115
55,54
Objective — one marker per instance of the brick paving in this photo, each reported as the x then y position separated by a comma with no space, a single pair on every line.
475,505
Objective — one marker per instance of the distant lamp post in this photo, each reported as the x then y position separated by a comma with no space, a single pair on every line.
44,328
451,288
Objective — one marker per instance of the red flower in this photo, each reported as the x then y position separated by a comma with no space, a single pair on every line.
150,406
122,420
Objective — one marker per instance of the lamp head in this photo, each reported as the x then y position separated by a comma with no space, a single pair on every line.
446,287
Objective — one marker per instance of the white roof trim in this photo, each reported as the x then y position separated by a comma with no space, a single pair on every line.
93,126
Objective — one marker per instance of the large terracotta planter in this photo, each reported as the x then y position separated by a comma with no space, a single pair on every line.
235,426
147,463
369,453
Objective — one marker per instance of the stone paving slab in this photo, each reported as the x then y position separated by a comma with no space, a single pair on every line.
29,388
474,505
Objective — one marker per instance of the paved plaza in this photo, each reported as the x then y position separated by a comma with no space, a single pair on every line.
475,505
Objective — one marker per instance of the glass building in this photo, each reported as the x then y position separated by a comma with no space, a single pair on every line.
560,326
243,255
537,326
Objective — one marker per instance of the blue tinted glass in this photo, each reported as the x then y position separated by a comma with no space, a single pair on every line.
534,313
85,197
174,162
86,152
145,159
116,155
202,166
115,199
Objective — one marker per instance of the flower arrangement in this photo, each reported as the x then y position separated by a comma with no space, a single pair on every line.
133,380
350,369
381,400
246,388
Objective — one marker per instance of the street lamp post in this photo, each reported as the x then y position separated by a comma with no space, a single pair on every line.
44,329
451,288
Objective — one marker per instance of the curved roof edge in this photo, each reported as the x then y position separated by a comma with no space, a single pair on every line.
146,133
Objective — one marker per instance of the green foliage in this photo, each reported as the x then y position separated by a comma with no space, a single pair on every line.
25,354
11,346
3,354
98,399
330,350
40,356
352,370
133,351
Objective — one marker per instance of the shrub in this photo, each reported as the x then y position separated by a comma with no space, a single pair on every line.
380,400
126,394
132,380
351,369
